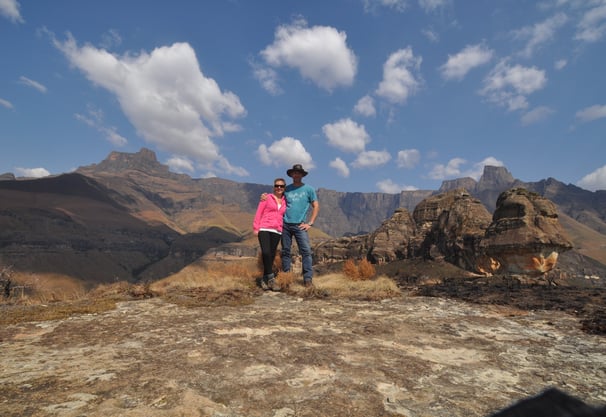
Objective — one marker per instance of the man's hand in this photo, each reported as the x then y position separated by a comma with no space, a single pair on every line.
263,197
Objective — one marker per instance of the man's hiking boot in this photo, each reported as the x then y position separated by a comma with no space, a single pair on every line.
263,284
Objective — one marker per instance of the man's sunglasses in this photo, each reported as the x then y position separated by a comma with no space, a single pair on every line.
279,186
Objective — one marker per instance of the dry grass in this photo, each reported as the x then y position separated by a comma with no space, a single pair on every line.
209,283
338,285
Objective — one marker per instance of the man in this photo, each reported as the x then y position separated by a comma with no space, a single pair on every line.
300,198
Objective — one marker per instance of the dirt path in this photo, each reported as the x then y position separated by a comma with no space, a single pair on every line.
284,356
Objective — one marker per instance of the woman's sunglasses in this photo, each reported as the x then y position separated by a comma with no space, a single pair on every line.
279,186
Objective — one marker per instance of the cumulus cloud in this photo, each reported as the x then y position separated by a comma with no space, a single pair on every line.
95,119
536,115
560,64
371,159
401,76
319,53
594,181
592,113
365,106
10,10
6,103
508,86
285,152
592,26
458,65
340,166
346,135
32,172
165,95
180,165
540,33
31,83
453,169
390,187
408,158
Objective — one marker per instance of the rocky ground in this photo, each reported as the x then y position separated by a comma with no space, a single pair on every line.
453,351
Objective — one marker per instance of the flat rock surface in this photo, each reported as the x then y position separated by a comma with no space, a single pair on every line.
285,356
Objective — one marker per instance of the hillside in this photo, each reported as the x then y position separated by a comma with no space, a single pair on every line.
129,217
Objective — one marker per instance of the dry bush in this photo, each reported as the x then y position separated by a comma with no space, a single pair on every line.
286,279
366,270
361,272
350,269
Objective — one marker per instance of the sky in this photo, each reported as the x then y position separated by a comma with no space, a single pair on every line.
368,95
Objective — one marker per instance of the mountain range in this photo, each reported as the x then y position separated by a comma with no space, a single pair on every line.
130,218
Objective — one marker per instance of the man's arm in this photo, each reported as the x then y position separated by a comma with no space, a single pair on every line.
315,209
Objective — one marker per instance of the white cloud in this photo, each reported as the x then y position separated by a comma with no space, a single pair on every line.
166,97
31,83
371,159
180,165
560,64
540,33
401,76
267,77
450,170
458,65
431,35
346,135
592,113
433,5
10,10
95,119
536,115
32,172
508,86
594,181
397,5
592,26
285,152
319,53
365,106
453,169
340,166
390,187
408,158
6,103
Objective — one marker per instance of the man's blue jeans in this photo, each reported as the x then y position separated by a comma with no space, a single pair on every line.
288,231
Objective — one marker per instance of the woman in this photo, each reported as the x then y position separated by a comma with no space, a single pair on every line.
268,228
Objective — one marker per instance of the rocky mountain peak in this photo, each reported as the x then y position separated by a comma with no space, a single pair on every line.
494,177
117,162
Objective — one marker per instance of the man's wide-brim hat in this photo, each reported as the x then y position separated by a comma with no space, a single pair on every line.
296,168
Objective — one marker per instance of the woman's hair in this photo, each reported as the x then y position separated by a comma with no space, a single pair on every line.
281,180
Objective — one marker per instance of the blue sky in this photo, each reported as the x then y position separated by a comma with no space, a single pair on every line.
369,95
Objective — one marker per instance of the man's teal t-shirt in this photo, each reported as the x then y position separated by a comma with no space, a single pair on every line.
298,202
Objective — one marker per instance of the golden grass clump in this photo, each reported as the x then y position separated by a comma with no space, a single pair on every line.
363,271
339,285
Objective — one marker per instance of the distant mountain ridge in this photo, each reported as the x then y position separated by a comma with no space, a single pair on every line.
166,220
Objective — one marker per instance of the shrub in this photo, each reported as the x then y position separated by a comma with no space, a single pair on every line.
361,272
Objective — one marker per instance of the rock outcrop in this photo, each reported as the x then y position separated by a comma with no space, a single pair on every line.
524,237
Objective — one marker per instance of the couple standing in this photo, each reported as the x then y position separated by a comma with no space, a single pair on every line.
283,215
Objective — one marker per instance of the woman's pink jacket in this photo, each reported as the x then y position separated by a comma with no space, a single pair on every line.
268,215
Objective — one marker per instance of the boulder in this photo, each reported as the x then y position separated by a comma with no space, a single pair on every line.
524,237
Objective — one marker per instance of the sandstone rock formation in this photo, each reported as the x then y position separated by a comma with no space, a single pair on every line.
525,236
522,237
